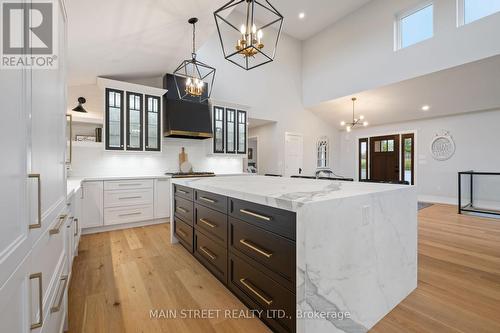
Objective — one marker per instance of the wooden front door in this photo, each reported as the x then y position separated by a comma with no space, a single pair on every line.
384,158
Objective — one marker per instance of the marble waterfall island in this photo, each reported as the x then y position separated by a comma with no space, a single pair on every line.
356,244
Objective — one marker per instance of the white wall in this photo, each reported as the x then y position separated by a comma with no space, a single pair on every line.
476,137
273,92
357,53
91,161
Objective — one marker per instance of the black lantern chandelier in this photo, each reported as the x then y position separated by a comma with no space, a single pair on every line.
250,40
355,121
194,79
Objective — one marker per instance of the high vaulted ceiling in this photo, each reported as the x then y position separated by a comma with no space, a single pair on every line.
132,39
471,87
319,14
129,39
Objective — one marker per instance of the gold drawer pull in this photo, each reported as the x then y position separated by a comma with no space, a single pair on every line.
256,292
182,210
57,307
210,224
40,300
136,197
208,252
130,184
57,229
208,199
255,248
38,178
182,233
262,217
181,191
77,227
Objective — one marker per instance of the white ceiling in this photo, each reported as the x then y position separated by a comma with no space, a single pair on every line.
128,39
319,14
467,88
131,39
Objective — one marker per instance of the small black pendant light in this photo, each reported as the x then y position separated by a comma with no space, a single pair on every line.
79,107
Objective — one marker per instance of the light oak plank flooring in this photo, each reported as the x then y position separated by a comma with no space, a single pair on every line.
120,276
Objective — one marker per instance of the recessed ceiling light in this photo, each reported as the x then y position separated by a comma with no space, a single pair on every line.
302,15
426,108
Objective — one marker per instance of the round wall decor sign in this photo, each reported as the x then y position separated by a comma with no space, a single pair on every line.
442,147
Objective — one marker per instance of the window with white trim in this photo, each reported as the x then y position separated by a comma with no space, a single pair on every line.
473,10
414,26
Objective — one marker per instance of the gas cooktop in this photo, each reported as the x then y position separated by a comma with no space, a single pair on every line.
189,174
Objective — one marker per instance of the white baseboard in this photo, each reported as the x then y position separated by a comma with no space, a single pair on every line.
437,199
105,228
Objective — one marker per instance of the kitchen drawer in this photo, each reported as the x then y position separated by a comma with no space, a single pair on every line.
211,255
184,209
184,192
119,198
275,252
258,291
211,200
111,185
211,222
279,221
184,233
128,214
56,307
47,256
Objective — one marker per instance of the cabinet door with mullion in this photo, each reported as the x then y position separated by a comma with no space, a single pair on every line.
230,131
114,119
134,121
242,132
152,123
218,120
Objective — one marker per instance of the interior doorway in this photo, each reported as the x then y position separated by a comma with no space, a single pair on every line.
387,158
253,155
294,151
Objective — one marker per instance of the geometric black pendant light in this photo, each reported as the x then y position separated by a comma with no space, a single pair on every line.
194,79
79,107
249,40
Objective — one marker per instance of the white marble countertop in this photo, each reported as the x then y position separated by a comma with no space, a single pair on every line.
282,192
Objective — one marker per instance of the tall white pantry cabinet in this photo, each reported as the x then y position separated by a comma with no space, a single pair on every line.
33,205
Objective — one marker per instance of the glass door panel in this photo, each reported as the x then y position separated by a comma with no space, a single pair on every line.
230,131
153,123
218,129
242,132
134,121
114,119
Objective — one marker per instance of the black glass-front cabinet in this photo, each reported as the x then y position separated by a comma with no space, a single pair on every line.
114,119
133,118
230,131
242,132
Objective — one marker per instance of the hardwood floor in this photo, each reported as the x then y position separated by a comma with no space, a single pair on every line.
458,276
120,276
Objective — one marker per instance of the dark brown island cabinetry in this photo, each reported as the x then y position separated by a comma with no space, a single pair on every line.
250,248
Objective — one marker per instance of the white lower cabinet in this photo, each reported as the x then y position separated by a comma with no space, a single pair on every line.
92,204
14,300
162,198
